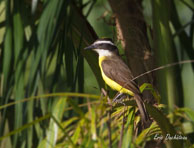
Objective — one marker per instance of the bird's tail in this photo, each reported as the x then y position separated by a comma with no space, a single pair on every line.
142,109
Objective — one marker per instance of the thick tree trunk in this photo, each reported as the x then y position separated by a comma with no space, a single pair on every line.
131,30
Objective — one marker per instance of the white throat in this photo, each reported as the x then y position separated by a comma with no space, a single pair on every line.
102,52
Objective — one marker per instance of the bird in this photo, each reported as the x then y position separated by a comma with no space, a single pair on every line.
117,74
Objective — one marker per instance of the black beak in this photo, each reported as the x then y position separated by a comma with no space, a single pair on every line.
90,47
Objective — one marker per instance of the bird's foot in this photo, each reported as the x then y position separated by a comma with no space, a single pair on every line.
119,98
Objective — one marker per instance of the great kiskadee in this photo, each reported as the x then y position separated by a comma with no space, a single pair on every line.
116,73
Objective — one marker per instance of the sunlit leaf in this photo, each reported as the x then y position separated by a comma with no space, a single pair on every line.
53,130
129,130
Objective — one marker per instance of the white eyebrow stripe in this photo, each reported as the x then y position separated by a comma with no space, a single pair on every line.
106,42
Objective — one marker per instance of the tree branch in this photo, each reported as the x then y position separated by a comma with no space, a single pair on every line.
131,30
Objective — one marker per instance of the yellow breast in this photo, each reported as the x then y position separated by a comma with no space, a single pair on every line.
111,83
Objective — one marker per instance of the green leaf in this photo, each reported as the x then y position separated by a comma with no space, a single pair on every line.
148,86
82,29
128,132
146,133
76,108
77,132
18,36
7,57
189,112
45,34
19,72
93,124
19,130
53,130
164,124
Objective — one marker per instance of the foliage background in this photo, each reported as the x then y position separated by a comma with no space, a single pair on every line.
50,88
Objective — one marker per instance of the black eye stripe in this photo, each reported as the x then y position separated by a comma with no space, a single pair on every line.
106,46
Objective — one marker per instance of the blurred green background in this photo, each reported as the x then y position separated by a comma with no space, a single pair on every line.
50,89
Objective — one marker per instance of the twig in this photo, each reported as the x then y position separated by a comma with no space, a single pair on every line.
158,68
162,67
122,129
105,93
109,128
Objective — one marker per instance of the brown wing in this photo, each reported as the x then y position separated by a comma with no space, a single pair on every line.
120,73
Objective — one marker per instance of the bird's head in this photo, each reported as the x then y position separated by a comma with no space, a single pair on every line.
104,47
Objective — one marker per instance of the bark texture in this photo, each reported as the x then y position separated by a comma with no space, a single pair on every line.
131,30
